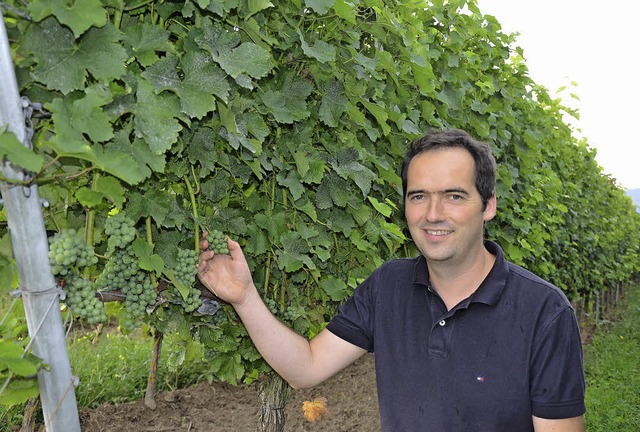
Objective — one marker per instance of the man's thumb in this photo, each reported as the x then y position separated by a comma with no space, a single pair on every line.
235,250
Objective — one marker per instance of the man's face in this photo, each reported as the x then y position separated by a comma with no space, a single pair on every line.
443,207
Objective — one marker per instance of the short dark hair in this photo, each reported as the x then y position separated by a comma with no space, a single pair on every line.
485,163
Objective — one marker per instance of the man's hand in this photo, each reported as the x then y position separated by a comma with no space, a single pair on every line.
226,276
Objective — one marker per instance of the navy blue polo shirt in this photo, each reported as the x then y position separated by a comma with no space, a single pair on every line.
509,351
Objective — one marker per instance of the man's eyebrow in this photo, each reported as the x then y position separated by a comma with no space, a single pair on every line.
460,191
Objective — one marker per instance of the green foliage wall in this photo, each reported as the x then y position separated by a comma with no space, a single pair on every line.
284,123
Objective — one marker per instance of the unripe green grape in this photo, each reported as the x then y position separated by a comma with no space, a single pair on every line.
120,229
69,253
81,299
218,242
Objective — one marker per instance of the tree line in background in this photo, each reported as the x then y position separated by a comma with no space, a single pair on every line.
283,125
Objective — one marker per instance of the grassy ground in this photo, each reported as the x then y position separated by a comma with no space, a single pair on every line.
114,368
612,364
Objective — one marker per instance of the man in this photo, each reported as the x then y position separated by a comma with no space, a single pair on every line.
463,340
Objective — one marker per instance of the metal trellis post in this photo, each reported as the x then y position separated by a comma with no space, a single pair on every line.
30,248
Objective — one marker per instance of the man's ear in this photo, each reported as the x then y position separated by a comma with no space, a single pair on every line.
490,209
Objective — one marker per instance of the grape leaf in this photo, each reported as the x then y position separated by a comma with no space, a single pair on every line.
302,163
255,6
321,51
111,189
341,221
64,64
145,40
78,15
69,117
163,75
200,148
154,203
118,164
156,118
306,206
335,288
248,58
320,6
203,80
147,260
16,153
293,261
332,190
334,103
345,10
382,208
292,182
380,114
88,198
10,358
288,104
105,187
19,390
228,367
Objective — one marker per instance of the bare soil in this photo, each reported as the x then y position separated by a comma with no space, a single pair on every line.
351,395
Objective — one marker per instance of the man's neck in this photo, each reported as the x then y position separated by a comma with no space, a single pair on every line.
454,283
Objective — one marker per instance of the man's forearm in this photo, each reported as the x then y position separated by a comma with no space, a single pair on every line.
574,424
300,362
287,352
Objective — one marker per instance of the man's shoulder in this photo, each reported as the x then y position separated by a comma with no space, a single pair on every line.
534,285
408,268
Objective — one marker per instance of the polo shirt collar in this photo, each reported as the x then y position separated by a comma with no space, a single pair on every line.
490,289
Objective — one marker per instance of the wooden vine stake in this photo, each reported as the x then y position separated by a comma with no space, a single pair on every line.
152,379
273,393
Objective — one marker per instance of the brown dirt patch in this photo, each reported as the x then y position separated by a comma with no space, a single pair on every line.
351,399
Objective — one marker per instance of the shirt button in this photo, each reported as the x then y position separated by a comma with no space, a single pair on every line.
442,323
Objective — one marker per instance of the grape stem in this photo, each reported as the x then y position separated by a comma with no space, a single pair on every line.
194,209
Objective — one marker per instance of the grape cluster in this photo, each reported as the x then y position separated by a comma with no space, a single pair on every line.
185,271
217,242
219,318
272,305
186,266
81,299
120,229
288,313
292,313
122,273
140,293
67,250
119,269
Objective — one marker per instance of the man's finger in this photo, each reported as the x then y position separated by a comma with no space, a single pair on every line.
235,250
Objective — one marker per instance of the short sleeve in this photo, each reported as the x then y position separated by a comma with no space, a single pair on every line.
355,318
557,372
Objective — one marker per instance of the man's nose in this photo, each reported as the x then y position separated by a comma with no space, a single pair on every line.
435,210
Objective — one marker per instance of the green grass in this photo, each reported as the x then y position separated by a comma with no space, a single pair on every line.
114,368
612,364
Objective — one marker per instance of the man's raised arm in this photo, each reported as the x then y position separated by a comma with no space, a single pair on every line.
302,363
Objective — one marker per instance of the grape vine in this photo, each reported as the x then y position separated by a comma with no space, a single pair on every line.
290,132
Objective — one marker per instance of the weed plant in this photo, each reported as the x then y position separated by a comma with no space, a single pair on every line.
612,364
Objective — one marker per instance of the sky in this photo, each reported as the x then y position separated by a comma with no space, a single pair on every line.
594,44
